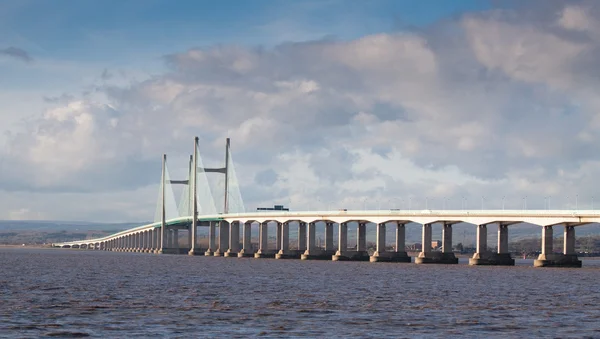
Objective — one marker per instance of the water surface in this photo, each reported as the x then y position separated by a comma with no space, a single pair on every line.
61,293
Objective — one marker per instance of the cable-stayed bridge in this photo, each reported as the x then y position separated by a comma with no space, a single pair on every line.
225,219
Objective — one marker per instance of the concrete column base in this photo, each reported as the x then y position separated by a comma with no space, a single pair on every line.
219,253
243,253
492,259
196,251
317,255
209,253
557,260
264,254
157,252
230,254
169,251
436,258
390,257
350,256
289,254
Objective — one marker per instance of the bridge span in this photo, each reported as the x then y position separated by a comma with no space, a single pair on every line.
162,236
230,235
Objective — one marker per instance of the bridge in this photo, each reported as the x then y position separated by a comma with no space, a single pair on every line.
198,210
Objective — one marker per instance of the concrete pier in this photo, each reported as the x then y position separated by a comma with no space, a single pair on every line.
284,248
158,240
246,250
312,251
381,254
223,239
302,236
212,229
483,256
278,236
550,259
343,253
194,249
446,256
234,240
263,242
342,239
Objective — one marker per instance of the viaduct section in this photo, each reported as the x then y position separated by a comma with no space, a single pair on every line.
230,235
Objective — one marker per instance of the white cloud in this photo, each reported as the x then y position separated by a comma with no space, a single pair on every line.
489,105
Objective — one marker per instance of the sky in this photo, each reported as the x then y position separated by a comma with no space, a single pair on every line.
328,104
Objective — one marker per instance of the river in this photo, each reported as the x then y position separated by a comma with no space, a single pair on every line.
77,293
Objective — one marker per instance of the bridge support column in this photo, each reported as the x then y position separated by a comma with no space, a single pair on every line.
301,236
312,251
342,253
223,238
158,240
484,257
234,239
246,250
380,253
176,240
360,254
446,256
278,237
136,242
152,240
141,242
149,243
212,229
142,246
194,248
285,252
169,242
566,259
189,238
361,238
132,243
329,238
400,255
148,235
263,242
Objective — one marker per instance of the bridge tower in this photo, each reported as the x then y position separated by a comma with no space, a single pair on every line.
196,167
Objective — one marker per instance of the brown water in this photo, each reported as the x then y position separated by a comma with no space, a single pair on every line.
71,293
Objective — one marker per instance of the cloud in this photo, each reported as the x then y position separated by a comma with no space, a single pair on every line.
16,53
488,107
